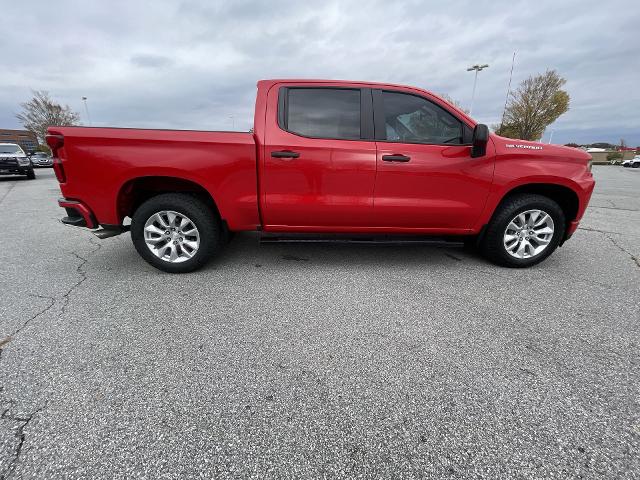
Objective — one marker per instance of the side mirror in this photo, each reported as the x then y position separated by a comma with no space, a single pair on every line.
479,140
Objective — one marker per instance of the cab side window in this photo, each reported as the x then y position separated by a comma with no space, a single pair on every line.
323,112
413,119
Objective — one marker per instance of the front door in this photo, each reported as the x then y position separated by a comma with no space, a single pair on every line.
319,159
426,177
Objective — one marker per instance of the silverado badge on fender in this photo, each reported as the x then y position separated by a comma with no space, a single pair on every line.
519,145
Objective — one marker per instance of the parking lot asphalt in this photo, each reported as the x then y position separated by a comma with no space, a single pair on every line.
318,361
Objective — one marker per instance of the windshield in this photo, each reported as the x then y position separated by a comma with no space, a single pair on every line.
10,149
40,154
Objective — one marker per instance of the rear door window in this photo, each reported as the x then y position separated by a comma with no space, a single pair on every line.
323,112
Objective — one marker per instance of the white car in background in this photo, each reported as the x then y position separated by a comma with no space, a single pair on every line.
13,161
633,163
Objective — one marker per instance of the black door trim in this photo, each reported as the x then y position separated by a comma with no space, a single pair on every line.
378,115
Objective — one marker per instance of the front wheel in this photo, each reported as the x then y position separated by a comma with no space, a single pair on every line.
176,233
524,230
31,175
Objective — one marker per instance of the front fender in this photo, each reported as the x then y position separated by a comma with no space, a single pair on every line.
508,177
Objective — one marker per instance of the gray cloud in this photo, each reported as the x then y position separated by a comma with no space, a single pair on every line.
152,61
195,64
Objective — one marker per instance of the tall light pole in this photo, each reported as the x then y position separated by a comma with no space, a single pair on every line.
476,68
86,108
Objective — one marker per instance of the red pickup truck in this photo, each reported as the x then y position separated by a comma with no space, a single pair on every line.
324,157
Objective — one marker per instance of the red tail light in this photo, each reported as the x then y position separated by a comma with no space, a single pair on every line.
56,142
59,170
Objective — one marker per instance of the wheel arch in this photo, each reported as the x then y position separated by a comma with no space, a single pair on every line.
563,195
137,190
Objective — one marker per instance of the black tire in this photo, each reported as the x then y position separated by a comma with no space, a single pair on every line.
31,175
205,220
492,246
635,165
229,235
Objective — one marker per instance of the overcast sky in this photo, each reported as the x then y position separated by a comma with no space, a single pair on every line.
194,64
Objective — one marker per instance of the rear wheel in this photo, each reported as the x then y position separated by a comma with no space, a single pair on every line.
175,232
525,230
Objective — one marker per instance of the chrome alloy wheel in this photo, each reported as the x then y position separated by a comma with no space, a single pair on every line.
171,236
528,234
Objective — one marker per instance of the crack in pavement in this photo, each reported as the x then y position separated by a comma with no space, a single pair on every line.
81,271
7,192
622,249
607,235
20,435
83,277
52,300
616,208
8,338
24,420
586,229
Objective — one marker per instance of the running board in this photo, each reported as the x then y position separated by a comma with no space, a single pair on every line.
108,231
361,239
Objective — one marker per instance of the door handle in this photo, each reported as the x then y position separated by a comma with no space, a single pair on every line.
285,154
395,158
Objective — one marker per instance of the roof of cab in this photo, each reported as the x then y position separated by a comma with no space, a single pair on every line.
327,80
268,83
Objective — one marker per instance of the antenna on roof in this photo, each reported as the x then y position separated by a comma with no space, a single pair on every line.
513,60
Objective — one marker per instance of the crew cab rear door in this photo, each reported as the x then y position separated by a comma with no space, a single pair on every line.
319,159
426,177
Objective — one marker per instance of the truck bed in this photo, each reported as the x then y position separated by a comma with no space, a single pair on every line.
100,165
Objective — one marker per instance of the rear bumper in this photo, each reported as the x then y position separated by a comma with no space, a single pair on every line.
78,214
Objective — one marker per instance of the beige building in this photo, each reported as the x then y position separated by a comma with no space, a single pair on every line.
601,157
26,139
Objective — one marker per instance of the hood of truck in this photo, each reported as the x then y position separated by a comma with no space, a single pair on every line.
511,146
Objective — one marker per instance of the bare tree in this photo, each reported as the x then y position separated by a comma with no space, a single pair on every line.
623,144
42,112
536,104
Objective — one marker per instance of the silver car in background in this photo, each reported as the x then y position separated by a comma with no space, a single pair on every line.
41,159
633,163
